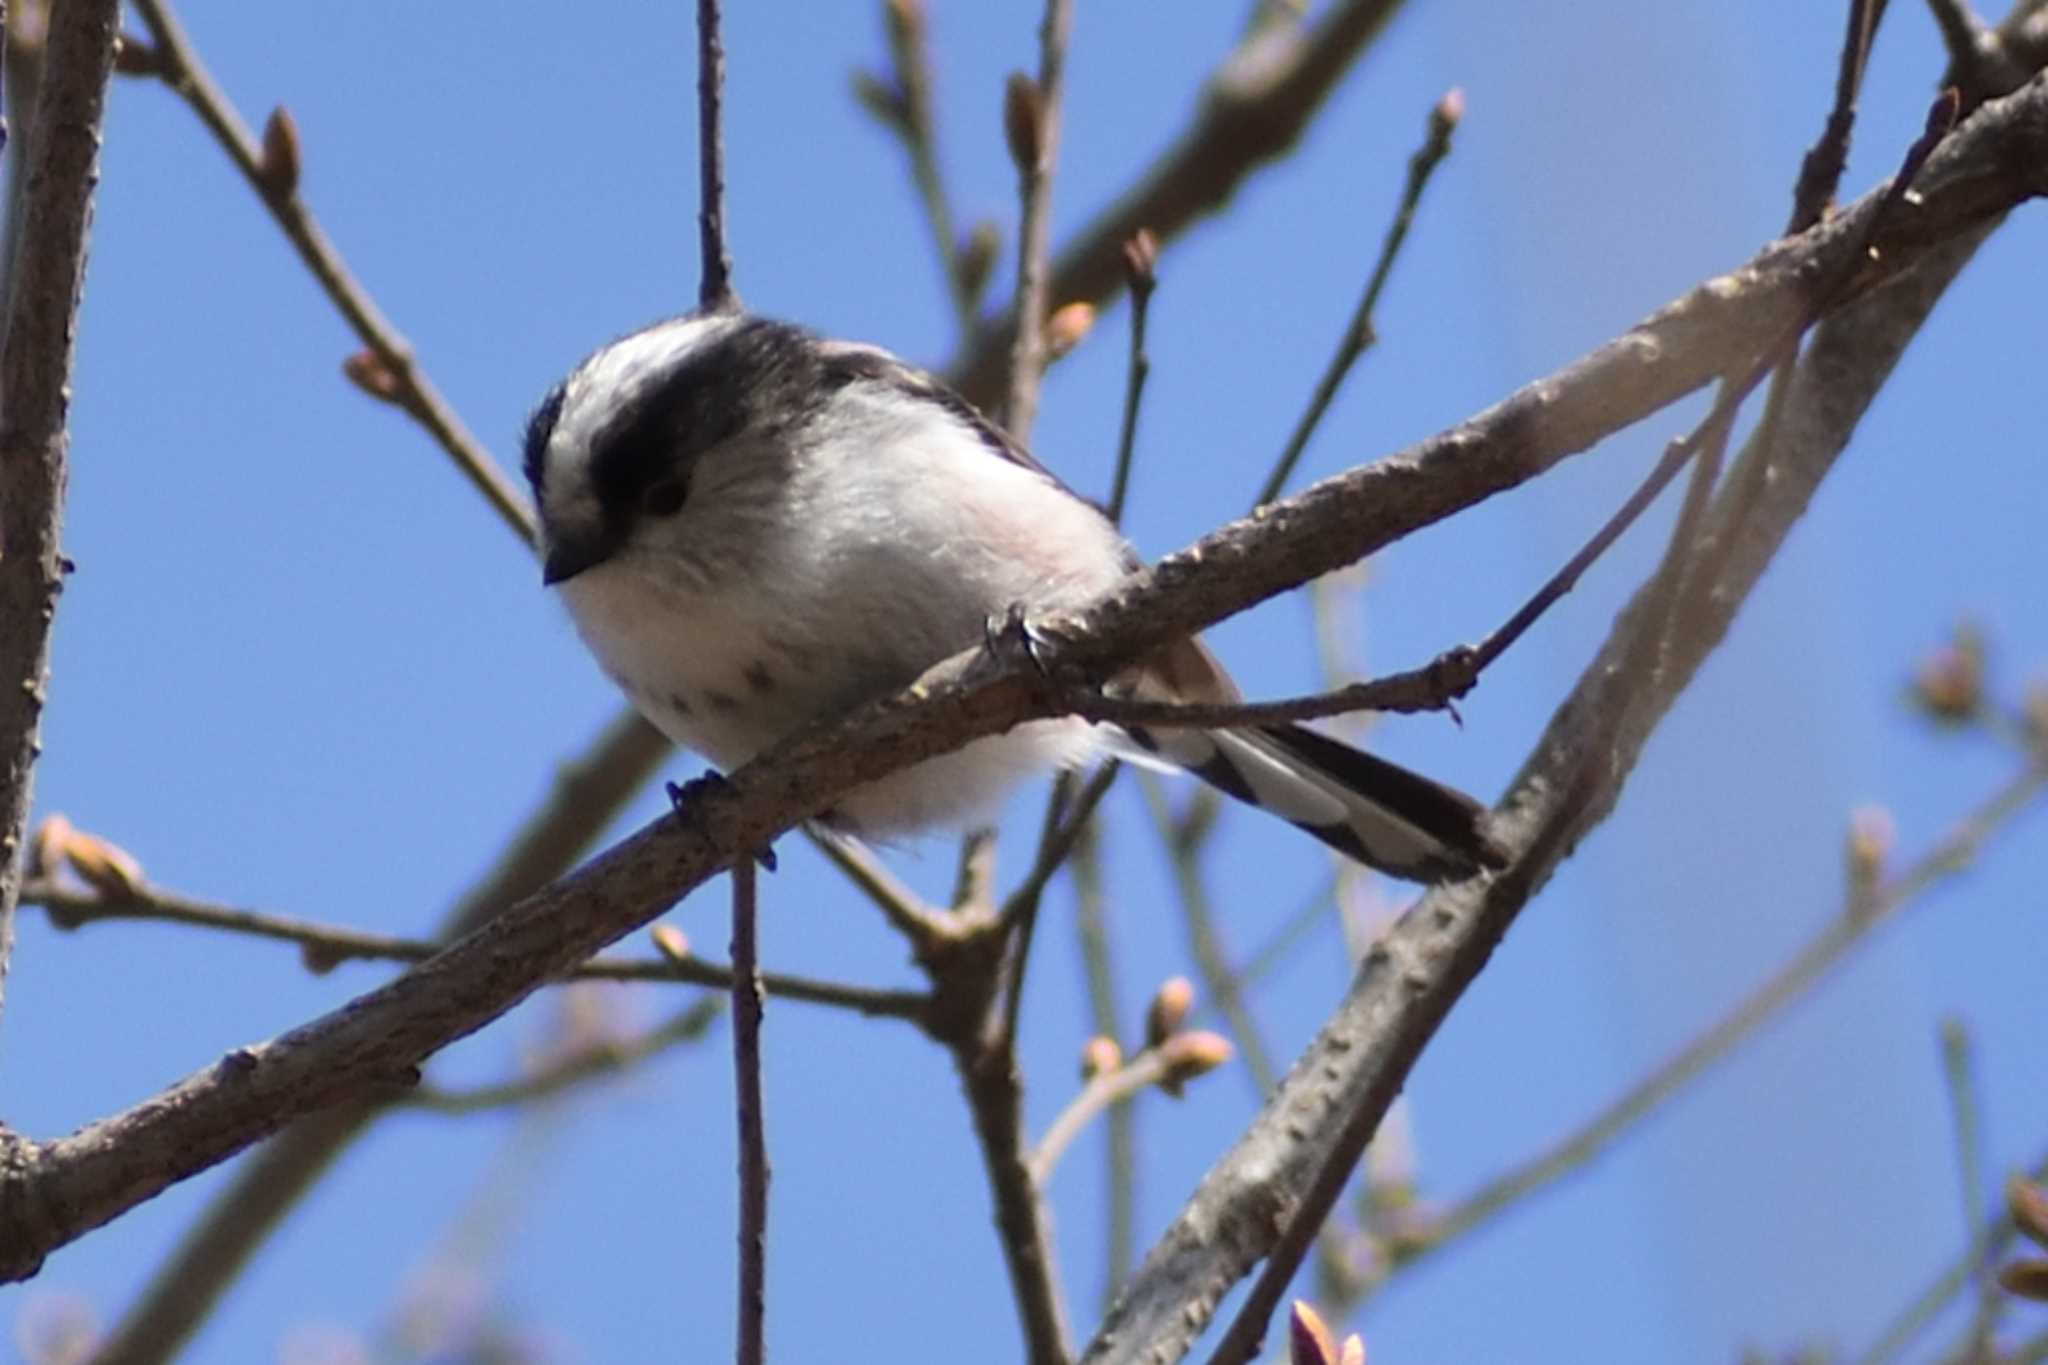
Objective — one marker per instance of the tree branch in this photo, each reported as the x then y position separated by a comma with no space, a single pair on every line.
1254,108
753,1138
326,946
714,287
397,377
1291,1164
51,1192
587,794
1789,983
1358,333
586,1065
1034,121
47,278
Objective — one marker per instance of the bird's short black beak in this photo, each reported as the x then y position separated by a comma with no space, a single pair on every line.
571,555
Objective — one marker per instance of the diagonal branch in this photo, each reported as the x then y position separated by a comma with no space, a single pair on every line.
180,68
1299,1152
1791,982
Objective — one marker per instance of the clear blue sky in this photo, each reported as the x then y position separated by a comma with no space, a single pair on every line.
302,668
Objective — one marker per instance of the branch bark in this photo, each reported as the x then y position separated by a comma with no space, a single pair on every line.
181,1293
51,1192
1274,1187
35,400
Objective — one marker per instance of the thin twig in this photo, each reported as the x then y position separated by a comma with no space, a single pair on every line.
1358,333
1966,1114
1991,1241
179,66
1433,687
1710,437
1820,172
753,1141
1859,917
1219,982
1091,927
909,913
1255,106
325,946
1034,228
715,292
1141,259
46,281
907,107
1104,1092
1820,175
588,1065
1289,934
974,878
1058,841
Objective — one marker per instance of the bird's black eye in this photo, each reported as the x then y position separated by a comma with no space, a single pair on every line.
665,498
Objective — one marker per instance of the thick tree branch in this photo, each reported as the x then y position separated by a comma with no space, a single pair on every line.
51,1192
1290,1166
48,275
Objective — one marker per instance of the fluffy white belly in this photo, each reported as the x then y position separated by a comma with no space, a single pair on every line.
728,688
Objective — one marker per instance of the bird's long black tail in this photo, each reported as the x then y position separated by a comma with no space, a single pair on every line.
1366,808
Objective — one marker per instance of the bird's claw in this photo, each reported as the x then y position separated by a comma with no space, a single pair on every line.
712,780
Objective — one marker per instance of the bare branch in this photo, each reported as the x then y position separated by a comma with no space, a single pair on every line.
586,796
1222,985
1821,170
1100,1095
179,66
714,286
326,946
47,278
1256,106
1860,915
995,1097
1091,927
906,105
1060,837
1141,260
1355,1067
753,1139
585,1066
1358,333
1033,115
1997,1234
917,921
53,1191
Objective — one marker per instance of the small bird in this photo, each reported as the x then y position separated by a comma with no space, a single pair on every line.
755,527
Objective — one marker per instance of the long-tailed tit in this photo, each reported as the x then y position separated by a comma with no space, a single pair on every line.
754,527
